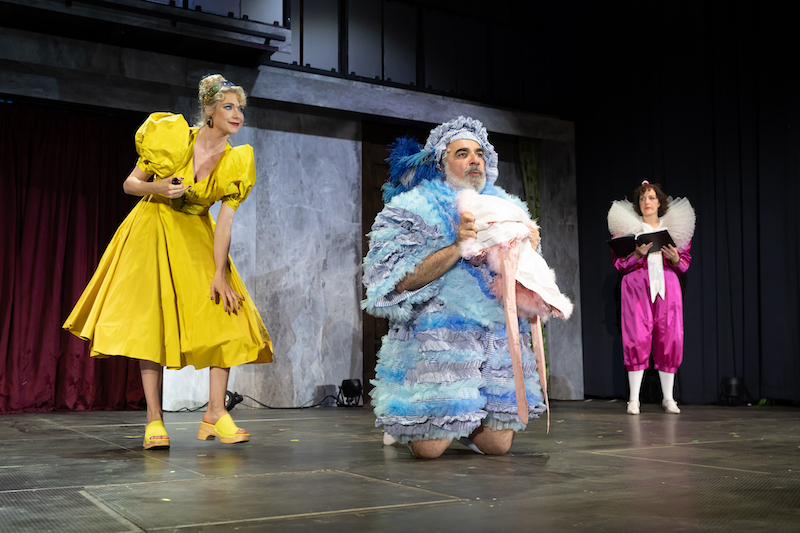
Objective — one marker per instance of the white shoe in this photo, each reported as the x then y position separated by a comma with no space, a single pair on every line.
633,407
388,440
671,407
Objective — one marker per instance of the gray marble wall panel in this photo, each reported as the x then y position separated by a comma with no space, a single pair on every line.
309,253
296,242
559,222
510,178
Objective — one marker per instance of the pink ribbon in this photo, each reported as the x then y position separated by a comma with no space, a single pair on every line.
509,263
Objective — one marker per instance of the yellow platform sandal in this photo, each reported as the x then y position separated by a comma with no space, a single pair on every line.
225,429
156,427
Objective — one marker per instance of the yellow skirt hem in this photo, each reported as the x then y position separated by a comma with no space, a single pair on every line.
258,360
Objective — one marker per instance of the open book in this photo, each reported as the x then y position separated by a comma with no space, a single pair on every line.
624,245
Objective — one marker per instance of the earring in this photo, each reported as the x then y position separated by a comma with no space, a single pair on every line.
210,123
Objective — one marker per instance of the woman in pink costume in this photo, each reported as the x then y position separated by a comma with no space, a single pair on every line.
652,302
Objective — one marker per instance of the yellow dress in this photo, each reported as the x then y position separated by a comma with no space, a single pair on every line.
150,296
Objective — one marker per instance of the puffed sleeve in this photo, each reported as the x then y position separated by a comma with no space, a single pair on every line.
163,143
624,265
237,175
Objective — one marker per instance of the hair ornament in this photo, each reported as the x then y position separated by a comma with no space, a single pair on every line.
645,182
214,89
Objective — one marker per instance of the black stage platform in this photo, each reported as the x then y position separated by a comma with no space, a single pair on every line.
325,469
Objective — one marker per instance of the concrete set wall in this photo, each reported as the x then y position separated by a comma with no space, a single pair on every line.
297,240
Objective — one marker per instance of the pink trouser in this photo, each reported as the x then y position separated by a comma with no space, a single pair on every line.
647,325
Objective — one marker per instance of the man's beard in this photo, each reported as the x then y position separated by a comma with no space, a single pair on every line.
467,181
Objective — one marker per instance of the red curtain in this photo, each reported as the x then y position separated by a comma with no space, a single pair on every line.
61,172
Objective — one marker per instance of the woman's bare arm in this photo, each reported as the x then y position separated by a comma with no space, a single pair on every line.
220,288
136,184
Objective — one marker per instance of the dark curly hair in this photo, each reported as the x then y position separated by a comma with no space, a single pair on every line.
661,195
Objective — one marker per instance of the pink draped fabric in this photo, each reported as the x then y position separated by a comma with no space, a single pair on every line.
61,173
510,260
509,263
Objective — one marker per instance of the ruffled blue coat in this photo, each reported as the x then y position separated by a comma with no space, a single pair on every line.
444,367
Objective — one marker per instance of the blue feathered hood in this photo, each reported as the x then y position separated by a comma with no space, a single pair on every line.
410,163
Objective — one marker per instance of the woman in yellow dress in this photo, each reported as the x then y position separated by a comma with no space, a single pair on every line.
165,291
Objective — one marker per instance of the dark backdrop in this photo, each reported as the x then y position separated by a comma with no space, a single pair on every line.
704,98
61,172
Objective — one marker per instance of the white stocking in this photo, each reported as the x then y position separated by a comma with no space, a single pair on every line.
635,383
667,382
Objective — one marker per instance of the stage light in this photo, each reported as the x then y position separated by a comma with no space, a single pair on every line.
733,391
350,393
231,399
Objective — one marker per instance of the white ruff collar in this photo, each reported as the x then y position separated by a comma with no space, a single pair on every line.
679,221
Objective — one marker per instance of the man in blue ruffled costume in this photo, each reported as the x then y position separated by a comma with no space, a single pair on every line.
444,371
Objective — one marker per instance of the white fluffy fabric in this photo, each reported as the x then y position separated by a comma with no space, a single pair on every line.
622,219
679,221
499,223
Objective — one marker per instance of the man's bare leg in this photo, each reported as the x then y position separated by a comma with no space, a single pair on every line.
492,442
429,449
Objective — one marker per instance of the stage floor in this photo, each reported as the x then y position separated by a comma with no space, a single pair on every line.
325,469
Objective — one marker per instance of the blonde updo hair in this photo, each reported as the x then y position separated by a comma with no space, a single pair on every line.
211,91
